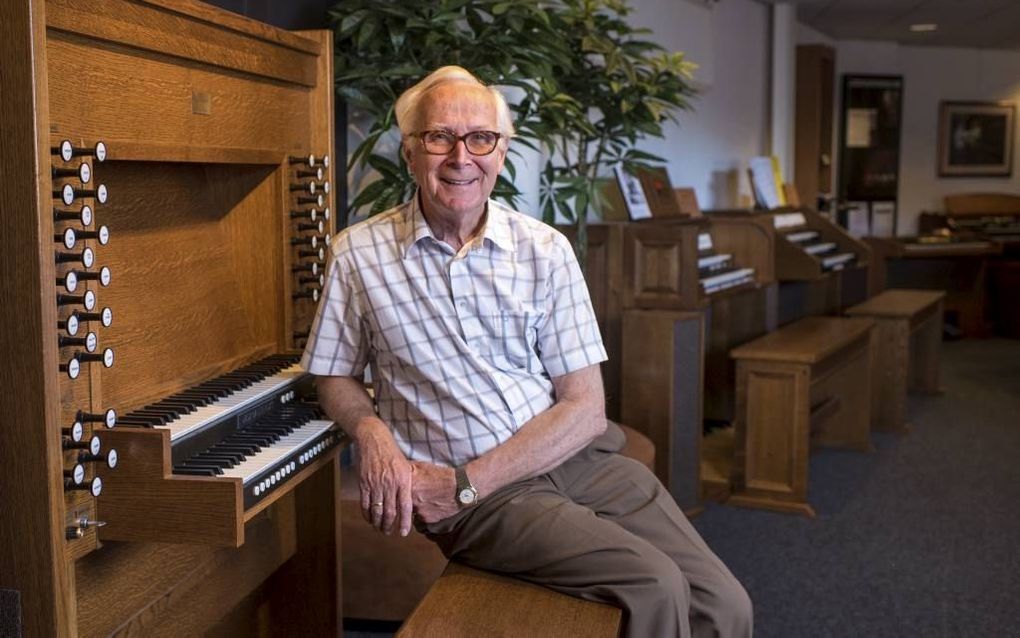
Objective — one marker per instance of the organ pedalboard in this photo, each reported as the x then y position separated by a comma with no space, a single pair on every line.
85,460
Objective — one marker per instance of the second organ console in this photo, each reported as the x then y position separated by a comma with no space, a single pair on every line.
169,472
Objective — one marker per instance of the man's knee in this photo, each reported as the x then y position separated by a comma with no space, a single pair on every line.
730,608
660,581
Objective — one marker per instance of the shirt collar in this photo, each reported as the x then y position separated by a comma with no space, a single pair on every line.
496,230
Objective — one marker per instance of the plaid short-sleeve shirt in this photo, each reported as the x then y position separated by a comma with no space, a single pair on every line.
462,345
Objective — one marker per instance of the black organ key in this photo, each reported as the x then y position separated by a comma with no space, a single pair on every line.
318,200
83,172
310,267
191,471
84,215
87,300
305,160
66,151
312,294
315,172
325,187
319,254
107,418
317,227
90,341
68,193
86,257
68,238
307,187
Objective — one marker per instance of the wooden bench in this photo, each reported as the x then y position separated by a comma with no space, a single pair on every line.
466,602
908,331
806,383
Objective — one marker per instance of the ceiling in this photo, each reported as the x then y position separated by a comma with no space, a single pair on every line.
991,24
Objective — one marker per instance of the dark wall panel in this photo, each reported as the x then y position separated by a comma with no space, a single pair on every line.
286,14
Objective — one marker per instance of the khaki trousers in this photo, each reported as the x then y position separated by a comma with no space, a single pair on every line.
602,527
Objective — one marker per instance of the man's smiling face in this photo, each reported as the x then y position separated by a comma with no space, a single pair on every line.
457,183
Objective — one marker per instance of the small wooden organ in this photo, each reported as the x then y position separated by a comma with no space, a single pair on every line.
822,269
693,289
164,465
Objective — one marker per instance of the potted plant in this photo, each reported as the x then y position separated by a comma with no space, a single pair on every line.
590,86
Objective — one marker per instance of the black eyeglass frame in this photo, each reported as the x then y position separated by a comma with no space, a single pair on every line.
458,139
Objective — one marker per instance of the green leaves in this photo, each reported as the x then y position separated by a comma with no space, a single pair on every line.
593,85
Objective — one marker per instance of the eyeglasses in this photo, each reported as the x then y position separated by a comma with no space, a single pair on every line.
443,142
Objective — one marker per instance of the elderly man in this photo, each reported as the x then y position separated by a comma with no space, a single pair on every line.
488,427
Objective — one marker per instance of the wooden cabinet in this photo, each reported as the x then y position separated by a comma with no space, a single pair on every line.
813,133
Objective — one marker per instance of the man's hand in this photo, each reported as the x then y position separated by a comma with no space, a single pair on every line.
385,482
433,491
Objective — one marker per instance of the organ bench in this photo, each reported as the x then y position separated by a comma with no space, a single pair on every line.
908,330
806,383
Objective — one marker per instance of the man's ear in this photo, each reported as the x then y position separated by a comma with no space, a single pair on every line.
406,152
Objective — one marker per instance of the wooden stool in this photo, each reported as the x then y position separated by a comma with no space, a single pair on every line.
466,602
908,327
806,383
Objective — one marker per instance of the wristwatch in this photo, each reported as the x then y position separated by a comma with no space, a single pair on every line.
466,492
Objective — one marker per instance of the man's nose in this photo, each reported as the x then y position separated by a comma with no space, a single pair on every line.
459,153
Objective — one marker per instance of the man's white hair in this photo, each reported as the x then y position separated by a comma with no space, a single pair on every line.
408,107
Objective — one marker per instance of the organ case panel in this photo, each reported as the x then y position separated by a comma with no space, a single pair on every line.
200,111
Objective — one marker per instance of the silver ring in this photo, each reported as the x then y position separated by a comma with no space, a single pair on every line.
377,504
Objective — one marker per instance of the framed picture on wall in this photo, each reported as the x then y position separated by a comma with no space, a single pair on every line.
976,139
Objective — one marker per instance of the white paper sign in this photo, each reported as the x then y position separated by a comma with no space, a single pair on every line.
633,194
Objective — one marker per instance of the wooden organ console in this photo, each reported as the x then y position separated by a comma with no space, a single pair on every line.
821,268
692,290
972,251
165,468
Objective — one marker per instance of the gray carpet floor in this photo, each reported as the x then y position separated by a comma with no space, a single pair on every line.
919,538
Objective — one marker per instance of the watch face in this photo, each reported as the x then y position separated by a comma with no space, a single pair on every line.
466,496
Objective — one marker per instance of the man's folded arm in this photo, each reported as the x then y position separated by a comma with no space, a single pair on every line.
551,437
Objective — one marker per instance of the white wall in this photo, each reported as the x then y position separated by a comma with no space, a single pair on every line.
709,147
932,74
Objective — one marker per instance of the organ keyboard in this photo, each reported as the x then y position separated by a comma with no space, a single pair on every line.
809,245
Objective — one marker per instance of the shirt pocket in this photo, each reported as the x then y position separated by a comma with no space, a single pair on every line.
515,337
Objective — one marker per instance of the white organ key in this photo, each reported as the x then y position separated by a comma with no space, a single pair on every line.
719,280
189,423
822,247
271,455
712,260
